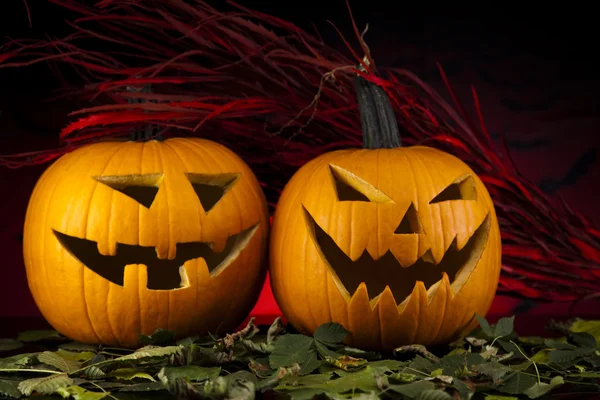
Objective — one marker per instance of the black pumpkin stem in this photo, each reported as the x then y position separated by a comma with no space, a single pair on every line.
377,118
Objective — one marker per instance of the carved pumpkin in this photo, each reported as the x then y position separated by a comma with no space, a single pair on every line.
400,245
123,238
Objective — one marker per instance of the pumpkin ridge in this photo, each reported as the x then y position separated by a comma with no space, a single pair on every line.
110,223
74,158
85,229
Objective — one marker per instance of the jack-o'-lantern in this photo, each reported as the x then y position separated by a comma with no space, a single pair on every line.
123,238
400,245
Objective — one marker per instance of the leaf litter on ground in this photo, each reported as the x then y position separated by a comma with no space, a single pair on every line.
492,363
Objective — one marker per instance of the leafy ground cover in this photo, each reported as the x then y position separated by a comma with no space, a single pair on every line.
493,363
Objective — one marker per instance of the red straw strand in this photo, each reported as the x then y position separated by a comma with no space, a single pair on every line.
279,97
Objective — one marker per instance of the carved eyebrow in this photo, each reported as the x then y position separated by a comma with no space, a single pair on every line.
462,188
141,188
350,187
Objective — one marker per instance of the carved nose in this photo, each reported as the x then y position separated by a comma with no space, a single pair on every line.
410,223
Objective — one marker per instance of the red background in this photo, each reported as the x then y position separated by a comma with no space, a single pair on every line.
536,81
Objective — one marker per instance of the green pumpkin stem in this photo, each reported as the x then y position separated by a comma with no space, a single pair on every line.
377,118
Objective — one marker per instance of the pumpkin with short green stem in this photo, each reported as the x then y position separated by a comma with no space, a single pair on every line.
123,238
400,245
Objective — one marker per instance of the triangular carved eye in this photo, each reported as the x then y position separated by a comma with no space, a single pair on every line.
462,189
350,187
210,188
411,223
141,188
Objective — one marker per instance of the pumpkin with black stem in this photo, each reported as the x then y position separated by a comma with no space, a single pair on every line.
400,245
124,238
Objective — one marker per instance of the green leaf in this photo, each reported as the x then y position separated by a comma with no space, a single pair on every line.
485,326
160,337
540,388
325,352
241,386
150,353
40,335
403,377
511,348
79,393
58,362
457,362
388,365
590,326
130,374
463,389
289,350
413,390
143,387
79,356
504,327
584,339
532,340
141,356
517,383
434,394
568,357
311,363
496,397
560,344
541,356
420,363
9,388
93,372
17,361
362,381
492,369
10,344
192,373
81,347
183,389
331,334
366,355
44,385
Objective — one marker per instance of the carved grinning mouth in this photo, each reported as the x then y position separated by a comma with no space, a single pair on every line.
163,274
387,271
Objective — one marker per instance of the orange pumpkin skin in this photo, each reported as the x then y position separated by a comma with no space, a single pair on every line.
383,300
81,201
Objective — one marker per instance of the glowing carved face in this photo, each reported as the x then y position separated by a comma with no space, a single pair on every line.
127,237
162,273
407,233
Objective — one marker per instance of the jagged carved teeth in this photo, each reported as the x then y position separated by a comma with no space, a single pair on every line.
163,274
387,271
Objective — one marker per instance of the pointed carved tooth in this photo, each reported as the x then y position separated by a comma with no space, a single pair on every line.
443,285
418,297
360,296
386,300
363,323
428,257
431,322
410,311
453,318
446,283
394,332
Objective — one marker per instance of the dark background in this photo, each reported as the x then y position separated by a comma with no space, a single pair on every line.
535,72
